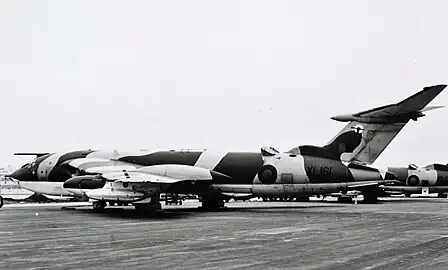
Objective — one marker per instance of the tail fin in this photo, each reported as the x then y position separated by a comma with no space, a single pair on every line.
375,139
382,124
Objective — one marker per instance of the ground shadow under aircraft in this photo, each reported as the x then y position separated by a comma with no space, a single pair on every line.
178,213
185,212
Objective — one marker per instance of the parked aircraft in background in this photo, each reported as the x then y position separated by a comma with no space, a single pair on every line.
139,178
432,178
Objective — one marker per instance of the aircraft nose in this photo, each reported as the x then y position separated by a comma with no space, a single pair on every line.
24,175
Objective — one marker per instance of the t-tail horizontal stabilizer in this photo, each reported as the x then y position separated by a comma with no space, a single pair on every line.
380,125
30,154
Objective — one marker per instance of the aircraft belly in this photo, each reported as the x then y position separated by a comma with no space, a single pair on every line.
287,190
415,189
46,188
297,189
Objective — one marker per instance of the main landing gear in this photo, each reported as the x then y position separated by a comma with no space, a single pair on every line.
211,203
370,196
345,199
149,208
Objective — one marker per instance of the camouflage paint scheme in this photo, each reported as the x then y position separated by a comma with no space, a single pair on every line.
248,171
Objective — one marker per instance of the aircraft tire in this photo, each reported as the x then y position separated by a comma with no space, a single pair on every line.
148,208
345,199
407,195
370,197
303,199
1,201
212,204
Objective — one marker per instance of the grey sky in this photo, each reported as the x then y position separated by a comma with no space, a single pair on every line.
234,75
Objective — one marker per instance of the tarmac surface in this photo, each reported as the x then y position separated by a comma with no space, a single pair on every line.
409,233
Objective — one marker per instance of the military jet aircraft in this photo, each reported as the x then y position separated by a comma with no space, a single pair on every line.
432,178
139,178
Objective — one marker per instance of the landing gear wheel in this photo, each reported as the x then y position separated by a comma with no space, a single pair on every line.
1,201
370,197
148,208
212,204
407,195
99,205
442,195
302,199
345,199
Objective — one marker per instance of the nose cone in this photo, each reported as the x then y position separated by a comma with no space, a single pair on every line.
24,174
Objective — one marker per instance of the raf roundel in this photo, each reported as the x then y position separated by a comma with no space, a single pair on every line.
358,129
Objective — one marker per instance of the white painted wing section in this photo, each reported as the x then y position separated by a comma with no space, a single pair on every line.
160,174
81,161
110,169
138,177
91,164
183,172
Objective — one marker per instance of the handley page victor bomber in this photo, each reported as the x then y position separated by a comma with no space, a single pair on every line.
139,178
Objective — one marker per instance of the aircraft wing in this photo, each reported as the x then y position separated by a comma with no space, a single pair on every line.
163,174
367,184
360,185
414,103
99,165
141,177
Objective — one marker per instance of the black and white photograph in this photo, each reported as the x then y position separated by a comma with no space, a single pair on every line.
249,134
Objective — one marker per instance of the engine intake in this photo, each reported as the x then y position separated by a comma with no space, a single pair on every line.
413,180
267,174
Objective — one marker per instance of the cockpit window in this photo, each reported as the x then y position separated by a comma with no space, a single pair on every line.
25,166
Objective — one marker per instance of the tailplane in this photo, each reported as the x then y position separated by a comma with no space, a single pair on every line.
382,124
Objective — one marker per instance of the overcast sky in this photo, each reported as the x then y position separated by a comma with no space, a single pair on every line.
234,75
